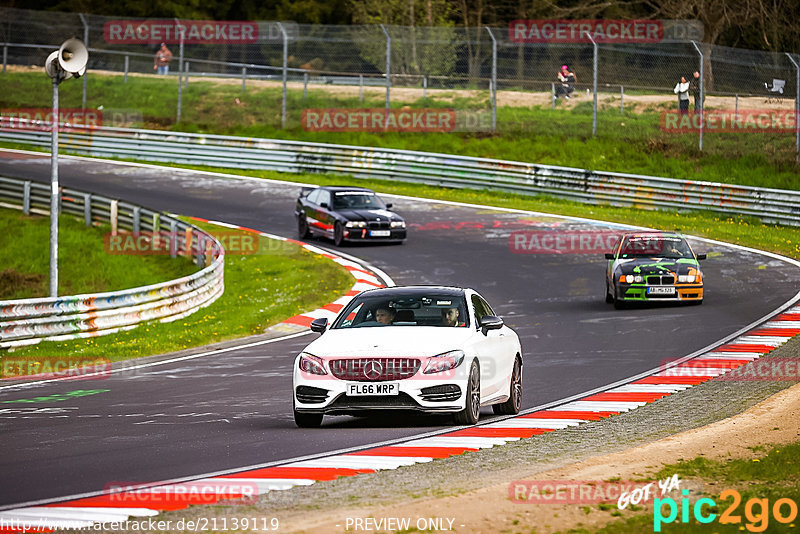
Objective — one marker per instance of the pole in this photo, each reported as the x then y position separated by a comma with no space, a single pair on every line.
180,29
796,107
388,64
285,67
702,95
86,42
493,87
594,84
54,194
621,99
244,77
127,62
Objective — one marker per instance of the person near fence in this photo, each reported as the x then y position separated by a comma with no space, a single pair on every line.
694,88
682,90
566,80
162,59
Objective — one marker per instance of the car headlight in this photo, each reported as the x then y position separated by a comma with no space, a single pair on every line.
398,224
444,362
355,224
631,278
311,364
686,278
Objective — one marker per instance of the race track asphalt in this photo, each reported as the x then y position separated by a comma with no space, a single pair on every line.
222,412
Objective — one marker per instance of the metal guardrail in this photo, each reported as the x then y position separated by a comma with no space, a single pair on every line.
29,321
596,187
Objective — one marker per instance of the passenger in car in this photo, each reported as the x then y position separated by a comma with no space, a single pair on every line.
384,315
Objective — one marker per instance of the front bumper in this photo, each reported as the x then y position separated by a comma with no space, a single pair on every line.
420,393
638,293
362,235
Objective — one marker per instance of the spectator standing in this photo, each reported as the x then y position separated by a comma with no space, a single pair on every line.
682,90
694,88
162,59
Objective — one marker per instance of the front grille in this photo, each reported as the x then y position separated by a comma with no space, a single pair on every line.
311,395
375,369
389,402
379,225
443,393
665,280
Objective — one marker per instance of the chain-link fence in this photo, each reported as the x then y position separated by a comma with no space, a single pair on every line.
472,71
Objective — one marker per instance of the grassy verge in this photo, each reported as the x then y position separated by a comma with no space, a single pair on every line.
84,265
760,482
744,231
280,280
629,142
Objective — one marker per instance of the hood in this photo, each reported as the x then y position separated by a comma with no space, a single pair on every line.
369,215
656,265
389,341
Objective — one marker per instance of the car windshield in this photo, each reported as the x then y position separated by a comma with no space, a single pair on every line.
655,246
357,200
412,309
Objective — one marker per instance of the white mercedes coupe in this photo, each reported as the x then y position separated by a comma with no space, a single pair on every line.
417,348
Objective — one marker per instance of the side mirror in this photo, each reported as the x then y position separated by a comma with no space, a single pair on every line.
609,255
319,325
389,205
702,256
324,205
490,322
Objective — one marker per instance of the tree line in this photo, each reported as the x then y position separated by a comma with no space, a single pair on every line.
772,25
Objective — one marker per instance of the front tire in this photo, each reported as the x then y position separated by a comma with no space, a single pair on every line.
338,234
514,402
302,228
609,297
472,408
307,420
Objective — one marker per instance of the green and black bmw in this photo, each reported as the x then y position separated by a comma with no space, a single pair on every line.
653,267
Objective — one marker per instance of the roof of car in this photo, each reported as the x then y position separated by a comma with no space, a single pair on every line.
336,188
652,233
390,292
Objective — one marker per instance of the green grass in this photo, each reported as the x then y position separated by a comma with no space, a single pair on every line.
632,142
84,266
769,477
261,289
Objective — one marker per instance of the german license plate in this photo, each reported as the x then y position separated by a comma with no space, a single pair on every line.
366,389
380,233
661,290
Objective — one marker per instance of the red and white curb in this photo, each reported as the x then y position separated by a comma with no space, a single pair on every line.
148,502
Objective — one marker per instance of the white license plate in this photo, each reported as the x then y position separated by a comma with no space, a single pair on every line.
366,389
380,233
660,290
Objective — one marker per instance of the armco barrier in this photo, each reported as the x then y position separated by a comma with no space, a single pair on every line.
770,205
28,321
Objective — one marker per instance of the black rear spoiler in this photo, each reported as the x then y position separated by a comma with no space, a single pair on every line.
305,191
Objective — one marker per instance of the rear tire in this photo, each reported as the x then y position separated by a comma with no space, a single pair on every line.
307,420
472,408
514,402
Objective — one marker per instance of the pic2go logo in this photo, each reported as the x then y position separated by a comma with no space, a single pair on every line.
756,511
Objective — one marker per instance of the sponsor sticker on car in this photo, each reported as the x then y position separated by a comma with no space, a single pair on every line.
361,390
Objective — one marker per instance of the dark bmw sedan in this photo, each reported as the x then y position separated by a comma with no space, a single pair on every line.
352,214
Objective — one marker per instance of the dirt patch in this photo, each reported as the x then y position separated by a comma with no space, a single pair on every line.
12,282
489,509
